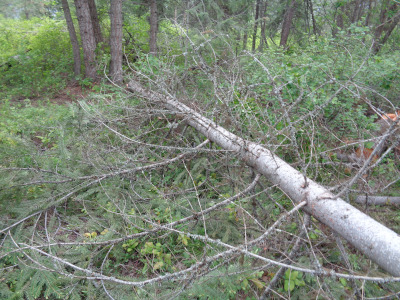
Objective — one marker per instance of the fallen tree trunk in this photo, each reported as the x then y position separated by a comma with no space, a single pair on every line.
376,241
377,200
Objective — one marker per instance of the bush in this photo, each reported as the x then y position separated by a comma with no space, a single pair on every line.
35,58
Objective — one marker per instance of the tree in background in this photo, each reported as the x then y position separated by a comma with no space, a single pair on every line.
95,22
263,25
73,37
388,20
287,22
116,41
256,17
26,8
153,26
87,37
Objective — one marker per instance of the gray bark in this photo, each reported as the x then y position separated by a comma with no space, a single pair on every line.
116,41
376,241
98,37
87,37
74,39
377,200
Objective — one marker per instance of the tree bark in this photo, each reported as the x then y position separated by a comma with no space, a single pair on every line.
376,241
88,41
95,22
287,23
368,17
314,23
74,39
153,27
253,46
116,41
377,200
356,15
387,25
245,36
338,17
263,38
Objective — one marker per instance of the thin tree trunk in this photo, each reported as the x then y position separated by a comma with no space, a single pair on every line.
263,38
245,37
95,22
377,200
314,23
287,23
74,39
357,11
306,16
116,41
376,241
26,11
153,27
253,46
88,41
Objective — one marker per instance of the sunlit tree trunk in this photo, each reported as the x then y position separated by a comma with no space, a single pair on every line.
73,37
116,41
87,37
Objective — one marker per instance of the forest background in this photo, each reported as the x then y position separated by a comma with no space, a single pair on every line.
108,190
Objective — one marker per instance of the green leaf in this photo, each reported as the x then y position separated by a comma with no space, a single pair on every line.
289,284
293,275
259,284
343,281
369,145
158,265
300,282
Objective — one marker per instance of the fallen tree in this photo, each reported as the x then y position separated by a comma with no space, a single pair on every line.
377,200
376,241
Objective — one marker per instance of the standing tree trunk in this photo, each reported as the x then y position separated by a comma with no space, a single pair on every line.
95,22
387,24
358,10
153,27
287,23
116,41
74,39
263,25
26,11
338,17
314,23
368,13
88,41
245,36
253,46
